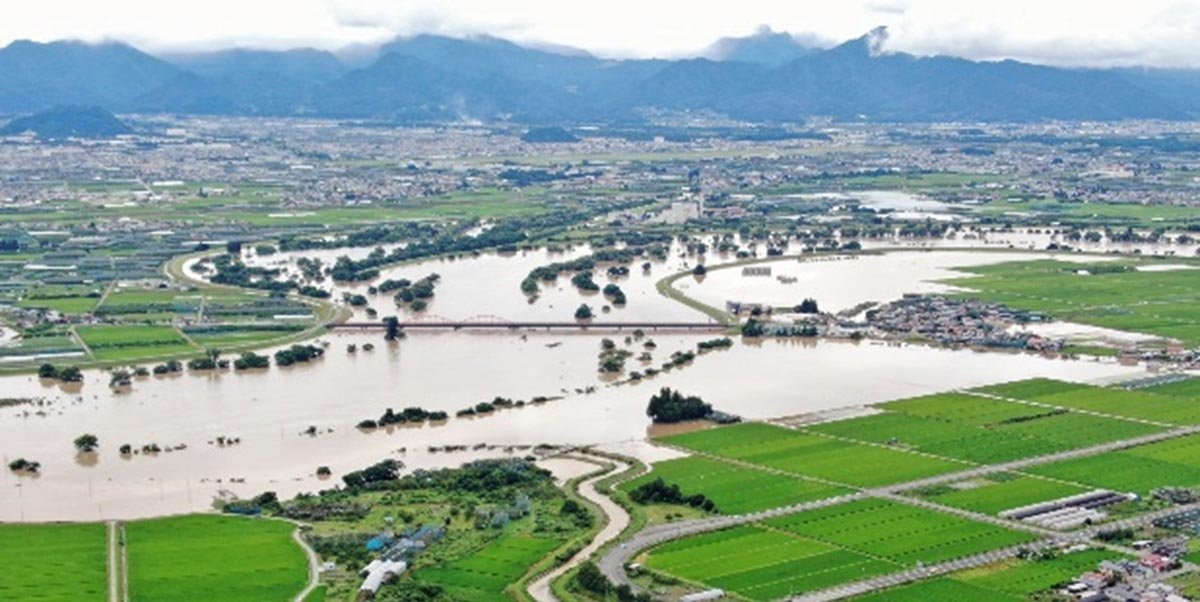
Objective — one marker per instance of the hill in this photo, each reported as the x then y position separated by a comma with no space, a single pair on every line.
68,122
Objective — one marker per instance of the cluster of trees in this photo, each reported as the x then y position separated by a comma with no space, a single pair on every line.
411,414
755,328
669,406
495,478
583,281
582,265
659,492
487,407
69,374
250,360
721,343
23,465
374,235
297,353
615,294
381,472
211,361
418,293
807,306
86,443
612,359
591,580
168,367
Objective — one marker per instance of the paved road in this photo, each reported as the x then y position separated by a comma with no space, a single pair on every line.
617,520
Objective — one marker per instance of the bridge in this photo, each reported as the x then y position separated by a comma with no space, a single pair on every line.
497,323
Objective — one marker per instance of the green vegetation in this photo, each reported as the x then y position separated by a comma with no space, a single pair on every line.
734,489
998,492
1174,462
53,563
811,455
485,574
817,549
1009,581
208,557
1160,303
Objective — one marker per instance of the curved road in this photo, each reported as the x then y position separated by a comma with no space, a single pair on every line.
618,519
313,565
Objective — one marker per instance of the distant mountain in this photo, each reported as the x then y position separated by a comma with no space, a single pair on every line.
37,76
767,77
258,81
64,122
765,47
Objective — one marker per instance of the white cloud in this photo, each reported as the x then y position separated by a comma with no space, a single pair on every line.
1070,32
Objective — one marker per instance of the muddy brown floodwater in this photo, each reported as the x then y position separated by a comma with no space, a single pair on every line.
268,412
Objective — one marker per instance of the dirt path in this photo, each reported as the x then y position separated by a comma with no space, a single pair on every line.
114,574
313,566
618,519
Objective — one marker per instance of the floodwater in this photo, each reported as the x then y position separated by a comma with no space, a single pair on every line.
840,282
268,412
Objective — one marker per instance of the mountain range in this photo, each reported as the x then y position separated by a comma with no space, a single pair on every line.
766,77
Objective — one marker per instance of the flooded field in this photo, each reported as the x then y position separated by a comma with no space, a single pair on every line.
269,412
287,422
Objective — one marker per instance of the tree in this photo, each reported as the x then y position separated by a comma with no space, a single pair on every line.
669,406
808,306
86,443
584,312
699,270
47,371
392,324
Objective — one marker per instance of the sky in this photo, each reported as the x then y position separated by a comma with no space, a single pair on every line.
1160,33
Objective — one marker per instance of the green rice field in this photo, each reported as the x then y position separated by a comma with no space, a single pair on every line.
735,489
484,575
811,455
205,557
818,549
54,563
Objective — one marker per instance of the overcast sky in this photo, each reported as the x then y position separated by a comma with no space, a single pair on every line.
1063,32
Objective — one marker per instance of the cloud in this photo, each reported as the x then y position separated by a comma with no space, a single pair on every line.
1059,32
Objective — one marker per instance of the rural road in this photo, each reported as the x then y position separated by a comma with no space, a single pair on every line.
314,566
617,517
114,576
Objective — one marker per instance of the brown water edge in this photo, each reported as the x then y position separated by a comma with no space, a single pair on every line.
657,430
446,371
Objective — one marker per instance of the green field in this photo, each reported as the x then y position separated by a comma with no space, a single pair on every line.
213,558
129,343
735,489
1188,388
1146,404
819,549
1007,581
998,493
814,455
1175,462
1160,303
484,575
54,563
763,564
905,535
